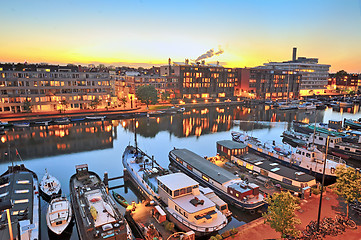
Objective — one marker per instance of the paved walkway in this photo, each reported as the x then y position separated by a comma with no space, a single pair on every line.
331,205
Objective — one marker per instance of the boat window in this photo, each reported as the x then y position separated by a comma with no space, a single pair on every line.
21,201
23,182
298,152
347,149
263,172
337,146
331,141
313,154
303,153
195,186
287,181
224,207
176,193
308,155
189,189
182,191
321,138
22,191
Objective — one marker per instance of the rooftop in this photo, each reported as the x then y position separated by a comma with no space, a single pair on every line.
213,171
231,144
185,203
177,181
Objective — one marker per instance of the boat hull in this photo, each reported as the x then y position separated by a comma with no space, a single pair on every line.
238,204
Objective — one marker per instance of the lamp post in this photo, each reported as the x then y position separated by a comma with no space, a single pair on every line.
323,182
6,205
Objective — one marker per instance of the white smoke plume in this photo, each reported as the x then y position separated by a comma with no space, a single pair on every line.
209,53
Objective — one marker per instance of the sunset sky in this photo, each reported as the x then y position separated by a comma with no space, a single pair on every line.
146,33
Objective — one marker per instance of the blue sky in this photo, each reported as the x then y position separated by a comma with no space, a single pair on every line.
149,32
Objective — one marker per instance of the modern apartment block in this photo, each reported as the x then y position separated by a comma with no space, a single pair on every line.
314,75
52,87
201,81
274,84
134,80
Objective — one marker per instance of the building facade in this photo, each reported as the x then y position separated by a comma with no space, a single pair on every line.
201,81
41,88
274,84
314,75
345,82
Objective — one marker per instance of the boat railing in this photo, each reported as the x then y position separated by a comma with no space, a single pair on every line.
197,228
336,159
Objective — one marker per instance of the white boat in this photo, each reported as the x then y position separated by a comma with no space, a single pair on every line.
306,106
59,215
101,118
177,191
49,185
309,160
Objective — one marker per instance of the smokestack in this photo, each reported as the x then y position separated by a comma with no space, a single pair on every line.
294,54
169,61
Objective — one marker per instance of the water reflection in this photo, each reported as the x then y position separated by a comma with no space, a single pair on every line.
41,141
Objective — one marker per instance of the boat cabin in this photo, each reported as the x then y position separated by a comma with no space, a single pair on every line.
220,204
242,190
321,139
182,196
82,171
228,148
337,125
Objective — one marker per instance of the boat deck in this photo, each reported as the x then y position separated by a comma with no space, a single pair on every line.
259,180
142,215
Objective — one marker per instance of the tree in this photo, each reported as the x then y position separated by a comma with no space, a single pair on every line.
341,74
281,214
124,101
164,96
64,104
94,103
147,94
27,105
348,184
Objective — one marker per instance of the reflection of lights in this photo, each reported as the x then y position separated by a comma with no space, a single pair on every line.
171,119
206,101
204,111
3,139
305,120
194,101
238,99
266,107
158,119
249,110
193,110
238,107
217,100
136,124
124,123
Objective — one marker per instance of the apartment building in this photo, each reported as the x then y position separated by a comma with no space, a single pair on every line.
46,87
200,80
314,75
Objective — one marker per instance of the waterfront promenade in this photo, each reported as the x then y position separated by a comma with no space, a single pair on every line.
331,205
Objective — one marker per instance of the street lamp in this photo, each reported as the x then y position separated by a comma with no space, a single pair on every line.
6,205
323,182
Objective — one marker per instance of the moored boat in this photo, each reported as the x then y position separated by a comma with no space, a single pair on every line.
19,185
309,160
21,124
49,186
120,199
59,215
96,118
96,213
145,172
353,124
228,186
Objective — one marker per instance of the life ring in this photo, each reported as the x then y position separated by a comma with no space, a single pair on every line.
252,211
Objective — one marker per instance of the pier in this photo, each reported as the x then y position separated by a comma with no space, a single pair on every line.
107,179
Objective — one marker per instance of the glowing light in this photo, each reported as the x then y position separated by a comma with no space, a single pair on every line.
158,119
3,139
136,124
124,123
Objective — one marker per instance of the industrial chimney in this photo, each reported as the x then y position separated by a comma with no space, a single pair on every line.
294,54
169,61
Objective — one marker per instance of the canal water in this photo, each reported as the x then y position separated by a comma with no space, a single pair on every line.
58,148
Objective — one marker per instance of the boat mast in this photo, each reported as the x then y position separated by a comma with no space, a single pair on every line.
135,134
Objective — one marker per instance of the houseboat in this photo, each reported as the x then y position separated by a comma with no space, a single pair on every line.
287,178
19,186
96,213
309,160
226,185
145,172
353,124
187,207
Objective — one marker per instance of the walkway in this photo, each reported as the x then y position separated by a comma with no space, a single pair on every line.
331,205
